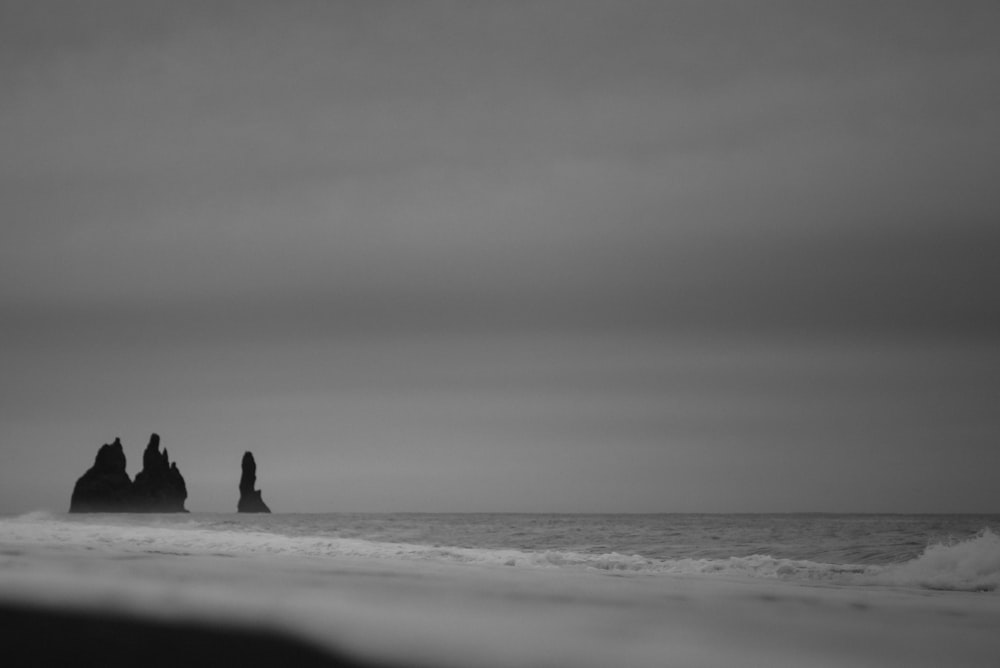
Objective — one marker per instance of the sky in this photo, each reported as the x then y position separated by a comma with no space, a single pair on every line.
571,256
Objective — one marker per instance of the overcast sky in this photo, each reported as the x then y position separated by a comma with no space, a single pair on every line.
510,256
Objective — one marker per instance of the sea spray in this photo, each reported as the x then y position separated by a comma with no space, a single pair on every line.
964,565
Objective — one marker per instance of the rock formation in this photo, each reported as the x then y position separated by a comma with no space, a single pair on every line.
159,486
107,488
250,499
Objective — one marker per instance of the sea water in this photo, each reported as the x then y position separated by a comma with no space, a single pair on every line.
512,591
960,552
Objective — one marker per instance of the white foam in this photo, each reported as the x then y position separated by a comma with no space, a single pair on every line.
968,565
188,538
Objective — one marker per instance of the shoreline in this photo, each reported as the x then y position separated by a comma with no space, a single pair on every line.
142,592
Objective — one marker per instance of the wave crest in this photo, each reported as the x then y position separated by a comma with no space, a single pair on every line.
967,565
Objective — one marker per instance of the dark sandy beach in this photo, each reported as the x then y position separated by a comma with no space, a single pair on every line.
149,594
45,636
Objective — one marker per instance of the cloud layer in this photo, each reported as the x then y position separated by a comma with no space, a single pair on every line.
192,189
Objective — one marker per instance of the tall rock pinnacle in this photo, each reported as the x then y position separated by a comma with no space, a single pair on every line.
250,498
159,487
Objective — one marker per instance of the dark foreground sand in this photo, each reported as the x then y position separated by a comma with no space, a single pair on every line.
40,636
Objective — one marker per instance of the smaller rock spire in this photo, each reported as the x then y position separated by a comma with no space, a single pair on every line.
250,498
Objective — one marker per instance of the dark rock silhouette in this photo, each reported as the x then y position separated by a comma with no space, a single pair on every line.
159,487
107,488
250,499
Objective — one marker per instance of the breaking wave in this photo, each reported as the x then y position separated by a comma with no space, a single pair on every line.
967,565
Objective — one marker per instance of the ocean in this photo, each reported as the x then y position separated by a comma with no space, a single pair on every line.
942,551
541,589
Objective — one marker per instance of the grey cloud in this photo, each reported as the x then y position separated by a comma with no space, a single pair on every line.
671,167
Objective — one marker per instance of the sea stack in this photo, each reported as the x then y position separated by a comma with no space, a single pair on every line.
250,498
159,487
107,488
